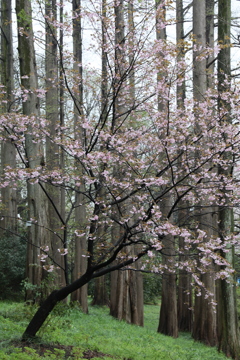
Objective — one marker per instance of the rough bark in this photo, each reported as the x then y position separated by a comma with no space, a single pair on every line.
228,330
101,296
184,300
168,321
126,298
8,152
80,261
58,295
48,305
210,40
204,325
52,150
62,123
34,151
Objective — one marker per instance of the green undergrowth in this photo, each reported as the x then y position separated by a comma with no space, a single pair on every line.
70,334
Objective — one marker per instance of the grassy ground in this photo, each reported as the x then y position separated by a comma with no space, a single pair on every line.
70,334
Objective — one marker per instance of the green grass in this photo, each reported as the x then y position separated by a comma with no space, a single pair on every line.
97,332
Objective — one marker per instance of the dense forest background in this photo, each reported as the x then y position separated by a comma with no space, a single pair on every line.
119,125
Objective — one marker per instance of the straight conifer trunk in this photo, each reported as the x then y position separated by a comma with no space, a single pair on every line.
126,296
204,325
8,152
80,260
119,292
37,205
168,321
228,330
101,296
52,149
184,278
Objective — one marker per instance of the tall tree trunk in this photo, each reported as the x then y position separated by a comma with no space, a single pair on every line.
210,40
204,325
37,207
8,152
126,296
119,279
136,278
62,153
80,260
101,296
168,321
184,278
228,330
52,150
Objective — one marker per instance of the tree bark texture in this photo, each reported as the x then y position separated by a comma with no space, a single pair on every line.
101,297
204,325
37,204
168,321
48,305
184,299
52,149
228,330
8,151
80,260
126,295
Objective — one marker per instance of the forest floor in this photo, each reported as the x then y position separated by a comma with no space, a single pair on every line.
68,334
44,350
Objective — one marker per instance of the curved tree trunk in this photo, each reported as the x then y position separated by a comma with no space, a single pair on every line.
58,295
48,305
